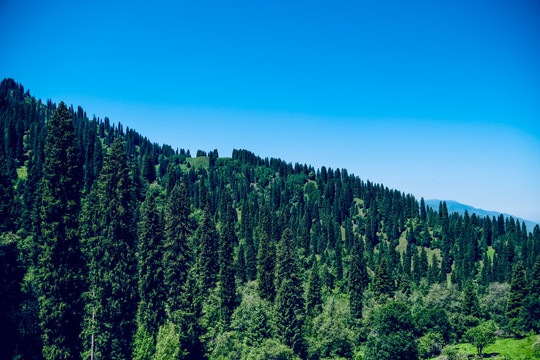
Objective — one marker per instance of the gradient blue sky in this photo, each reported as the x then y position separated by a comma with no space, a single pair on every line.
440,99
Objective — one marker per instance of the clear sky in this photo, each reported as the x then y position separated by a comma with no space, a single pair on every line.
440,99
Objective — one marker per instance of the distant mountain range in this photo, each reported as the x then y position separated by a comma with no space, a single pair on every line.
454,206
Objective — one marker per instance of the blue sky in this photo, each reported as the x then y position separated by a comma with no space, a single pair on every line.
440,99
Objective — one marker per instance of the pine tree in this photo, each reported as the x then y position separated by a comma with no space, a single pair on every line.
60,259
151,311
227,284
288,315
265,259
358,281
338,262
187,317
148,169
383,283
286,256
405,284
136,180
313,298
433,274
289,299
423,213
241,265
109,242
421,264
176,253
251,259
530,314
208,248
518,291
470,305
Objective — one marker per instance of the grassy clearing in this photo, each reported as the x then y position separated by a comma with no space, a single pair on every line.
402,243
514,349
22,172
199,162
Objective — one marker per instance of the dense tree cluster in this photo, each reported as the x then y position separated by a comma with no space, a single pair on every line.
113,247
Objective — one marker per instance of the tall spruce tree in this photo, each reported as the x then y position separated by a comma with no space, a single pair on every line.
433,274
176,253
314,298
60,260
383,283
227,284
265,258
208,248
518,291
289,302
470,305
151,310
530,314
251,259
109,243
286,255
338,261
241,264
358,281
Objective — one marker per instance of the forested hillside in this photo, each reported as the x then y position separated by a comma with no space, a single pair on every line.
114,247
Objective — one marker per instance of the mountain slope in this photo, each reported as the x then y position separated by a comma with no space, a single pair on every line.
454,206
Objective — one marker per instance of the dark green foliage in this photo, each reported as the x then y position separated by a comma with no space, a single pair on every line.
251,259
289,299
60,261
338,261
241,265
405,284
228,239
383,283
187,317
518,291
208,248
6,198
313,298
265,259
148,169
421,264
530,314
176,253
151,310
136,179
469,306
289,306
11,276
432,320
391,334
109,231
433,272
286,257
358,281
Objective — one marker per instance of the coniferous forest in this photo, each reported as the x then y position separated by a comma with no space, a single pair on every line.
115,247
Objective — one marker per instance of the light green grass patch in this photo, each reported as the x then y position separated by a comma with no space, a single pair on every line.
22,172
199,162
515,349
490,252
